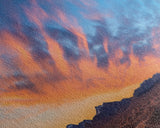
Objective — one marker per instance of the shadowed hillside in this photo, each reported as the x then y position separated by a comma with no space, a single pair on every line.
140,111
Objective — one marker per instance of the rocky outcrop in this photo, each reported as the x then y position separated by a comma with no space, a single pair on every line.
110,109
147,85
138,111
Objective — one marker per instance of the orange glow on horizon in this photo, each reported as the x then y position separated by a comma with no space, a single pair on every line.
65,81
81,79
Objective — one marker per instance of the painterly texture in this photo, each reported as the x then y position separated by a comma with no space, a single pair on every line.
139,111
57,52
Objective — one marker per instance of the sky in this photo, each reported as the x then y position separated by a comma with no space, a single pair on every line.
58,51
62,51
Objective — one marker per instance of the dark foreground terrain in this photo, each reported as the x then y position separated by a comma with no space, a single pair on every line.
140,111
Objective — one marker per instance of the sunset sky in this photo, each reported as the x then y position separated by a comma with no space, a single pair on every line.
58,52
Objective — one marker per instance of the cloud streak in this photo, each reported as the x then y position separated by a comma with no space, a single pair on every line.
66,45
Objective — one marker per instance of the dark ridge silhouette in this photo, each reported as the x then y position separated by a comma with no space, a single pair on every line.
140,111
147,85
109,109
